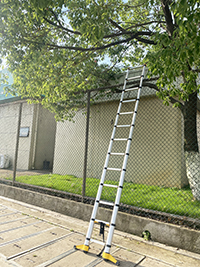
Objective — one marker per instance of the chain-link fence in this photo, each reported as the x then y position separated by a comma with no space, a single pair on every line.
69,156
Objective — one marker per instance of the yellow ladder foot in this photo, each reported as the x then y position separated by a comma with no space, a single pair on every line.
108,257
84,248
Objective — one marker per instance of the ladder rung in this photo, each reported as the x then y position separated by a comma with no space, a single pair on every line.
126,113
111,185
114,169
97,241
123,126
106,203
130,100
117,154
100,221
120,139
138,67
131,89
133,78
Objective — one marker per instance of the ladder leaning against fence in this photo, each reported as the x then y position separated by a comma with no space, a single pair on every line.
107,246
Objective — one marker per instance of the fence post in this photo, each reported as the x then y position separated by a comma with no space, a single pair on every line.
17,143
86,145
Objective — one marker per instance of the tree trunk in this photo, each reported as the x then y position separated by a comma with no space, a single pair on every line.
190,124
191,145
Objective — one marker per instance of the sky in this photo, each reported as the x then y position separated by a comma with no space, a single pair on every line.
3,95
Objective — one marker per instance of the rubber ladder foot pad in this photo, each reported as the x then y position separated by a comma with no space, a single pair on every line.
108,257
82,247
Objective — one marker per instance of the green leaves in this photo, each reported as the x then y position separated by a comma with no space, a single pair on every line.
175,58
55,48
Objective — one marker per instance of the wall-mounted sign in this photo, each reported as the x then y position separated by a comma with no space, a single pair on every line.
24,132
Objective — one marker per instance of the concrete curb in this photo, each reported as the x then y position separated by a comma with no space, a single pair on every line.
172,235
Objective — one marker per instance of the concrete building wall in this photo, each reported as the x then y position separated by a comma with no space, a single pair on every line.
23,161
8,128
9,114
69,146
38,145
156,155
198,127
45,138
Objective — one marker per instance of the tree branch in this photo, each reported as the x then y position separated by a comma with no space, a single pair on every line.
145,41
155,87
146,23
168,17
133,7
118,26
74,48
61,27
145,33
123,31
197,70
128,84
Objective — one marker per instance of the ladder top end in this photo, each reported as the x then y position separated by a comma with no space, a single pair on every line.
138,67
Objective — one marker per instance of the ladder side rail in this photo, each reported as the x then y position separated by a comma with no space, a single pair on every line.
99,192
119,191
137,103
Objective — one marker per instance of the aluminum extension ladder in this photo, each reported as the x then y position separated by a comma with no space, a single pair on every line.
107,246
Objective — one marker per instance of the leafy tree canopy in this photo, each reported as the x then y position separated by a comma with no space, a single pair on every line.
57,48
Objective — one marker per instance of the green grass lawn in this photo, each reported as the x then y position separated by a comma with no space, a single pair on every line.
171,200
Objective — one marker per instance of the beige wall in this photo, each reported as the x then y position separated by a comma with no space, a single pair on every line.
23,161
45,138
198,128
35,148
8,128
69,146
156,155
9,114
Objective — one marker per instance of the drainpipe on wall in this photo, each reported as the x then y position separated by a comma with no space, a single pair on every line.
17,143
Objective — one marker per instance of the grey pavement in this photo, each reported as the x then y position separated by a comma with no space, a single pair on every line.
32,236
